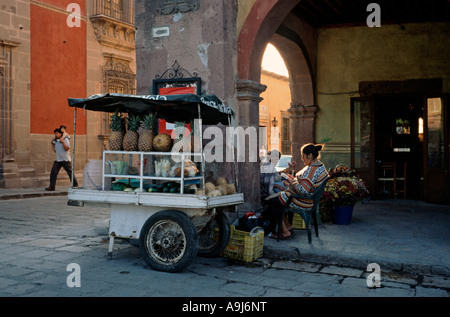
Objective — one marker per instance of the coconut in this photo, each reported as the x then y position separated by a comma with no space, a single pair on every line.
231,189
209,187
222,189
220,181
214,193
162,143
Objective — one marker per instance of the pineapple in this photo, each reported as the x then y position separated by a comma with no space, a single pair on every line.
130,140
182,143
146,138
116,136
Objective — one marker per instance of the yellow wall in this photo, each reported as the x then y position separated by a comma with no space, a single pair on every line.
244,7
276,100
347,56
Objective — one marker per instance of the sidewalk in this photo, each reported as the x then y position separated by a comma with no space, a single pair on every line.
401,235
19,193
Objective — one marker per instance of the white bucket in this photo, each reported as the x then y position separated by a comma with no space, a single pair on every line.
92,176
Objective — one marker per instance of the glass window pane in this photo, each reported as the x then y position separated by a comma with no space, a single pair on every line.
435,138
362,134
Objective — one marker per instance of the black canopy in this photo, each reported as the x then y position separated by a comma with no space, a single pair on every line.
169,107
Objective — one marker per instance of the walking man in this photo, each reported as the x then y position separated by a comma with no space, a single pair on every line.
61,146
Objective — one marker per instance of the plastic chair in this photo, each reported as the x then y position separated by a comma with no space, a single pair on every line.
305,214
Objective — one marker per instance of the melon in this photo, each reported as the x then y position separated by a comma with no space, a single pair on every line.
162,143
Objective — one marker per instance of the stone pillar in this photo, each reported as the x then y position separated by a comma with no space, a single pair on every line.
9,171
302,127
248,95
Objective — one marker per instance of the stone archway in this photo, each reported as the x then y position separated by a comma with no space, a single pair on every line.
260,27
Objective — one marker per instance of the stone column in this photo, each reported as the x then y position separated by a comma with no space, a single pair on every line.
248,95
302,127
9,171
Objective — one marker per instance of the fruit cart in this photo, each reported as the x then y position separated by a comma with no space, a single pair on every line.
169,213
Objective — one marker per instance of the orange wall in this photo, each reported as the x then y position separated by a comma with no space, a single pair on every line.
58,68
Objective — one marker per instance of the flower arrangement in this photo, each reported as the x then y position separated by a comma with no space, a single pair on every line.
344,188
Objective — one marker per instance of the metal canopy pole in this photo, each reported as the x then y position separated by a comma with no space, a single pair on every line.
73,150
200,127
234,157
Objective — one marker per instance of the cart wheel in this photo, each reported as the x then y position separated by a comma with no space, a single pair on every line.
169,241
214,237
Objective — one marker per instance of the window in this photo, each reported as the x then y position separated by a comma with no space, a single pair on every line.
286,135
117,78
118,9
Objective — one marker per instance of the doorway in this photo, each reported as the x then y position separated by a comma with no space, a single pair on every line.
398,139
391,130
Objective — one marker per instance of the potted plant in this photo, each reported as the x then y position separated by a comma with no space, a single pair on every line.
344,189
402,126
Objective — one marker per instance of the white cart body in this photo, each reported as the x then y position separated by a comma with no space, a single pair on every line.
130,210
135,215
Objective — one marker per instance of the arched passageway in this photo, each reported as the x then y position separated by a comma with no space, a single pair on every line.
271,21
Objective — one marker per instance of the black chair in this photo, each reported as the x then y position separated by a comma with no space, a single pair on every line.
305,214
389,173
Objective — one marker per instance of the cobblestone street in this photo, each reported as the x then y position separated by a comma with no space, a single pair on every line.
41,237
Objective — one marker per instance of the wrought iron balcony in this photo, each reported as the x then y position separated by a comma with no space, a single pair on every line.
122,10
113,23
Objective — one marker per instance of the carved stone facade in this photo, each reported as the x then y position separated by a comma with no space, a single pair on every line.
175,6
99,56
6,90
113,33
117,74
9,172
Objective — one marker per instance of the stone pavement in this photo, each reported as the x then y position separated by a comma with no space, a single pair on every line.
409,240
403,235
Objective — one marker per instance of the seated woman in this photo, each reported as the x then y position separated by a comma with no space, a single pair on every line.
304,183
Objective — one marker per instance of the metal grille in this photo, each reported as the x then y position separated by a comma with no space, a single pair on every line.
122,10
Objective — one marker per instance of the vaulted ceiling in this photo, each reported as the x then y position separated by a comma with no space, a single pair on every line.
338,13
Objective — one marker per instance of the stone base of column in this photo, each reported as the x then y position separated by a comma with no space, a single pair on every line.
11,176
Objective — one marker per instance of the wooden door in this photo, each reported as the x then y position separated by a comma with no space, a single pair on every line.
436,150
362,140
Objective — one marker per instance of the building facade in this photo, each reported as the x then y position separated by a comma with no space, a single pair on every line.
353,70
274,117
51,51
356,74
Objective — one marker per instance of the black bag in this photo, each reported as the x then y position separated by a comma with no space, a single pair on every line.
249,221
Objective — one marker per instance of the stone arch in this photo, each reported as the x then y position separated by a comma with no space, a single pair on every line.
270,21
261,23
300,67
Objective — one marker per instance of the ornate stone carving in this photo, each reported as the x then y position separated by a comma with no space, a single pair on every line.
114,33
174,6
118,69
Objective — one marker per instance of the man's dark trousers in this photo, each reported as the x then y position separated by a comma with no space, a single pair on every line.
67,165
